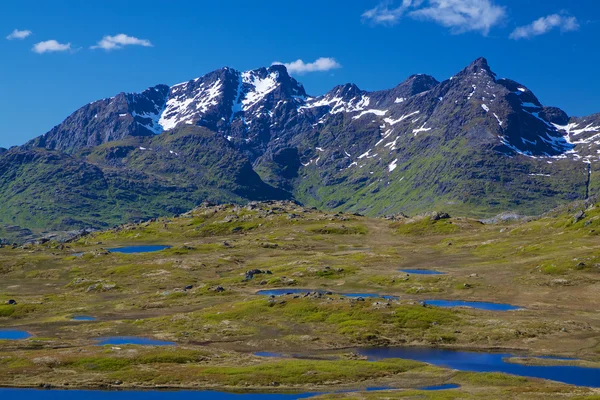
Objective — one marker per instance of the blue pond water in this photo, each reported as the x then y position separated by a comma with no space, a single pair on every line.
83,318
488,362
13,335
441,387
124,340
281,292
138,249
480,305
422,272
32,394
267,354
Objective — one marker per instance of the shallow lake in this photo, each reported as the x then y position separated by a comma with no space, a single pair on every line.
488,362
83,318
125,340
9,334
441,387
480,305
138,249
281,292
422,272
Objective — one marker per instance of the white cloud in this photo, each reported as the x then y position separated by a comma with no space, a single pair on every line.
50,46
458,15
20,35
383,14
544,25
321,64
463,15
119,41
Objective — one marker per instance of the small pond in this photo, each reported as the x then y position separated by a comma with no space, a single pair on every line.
83,318
488,362
480,305
422,272
125,340
10,334
138,249
441,387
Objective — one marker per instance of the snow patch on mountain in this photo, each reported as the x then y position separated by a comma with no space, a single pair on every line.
421,129
186,102
149,121
260,87
372,111
338,104
402,118
570,131
498,119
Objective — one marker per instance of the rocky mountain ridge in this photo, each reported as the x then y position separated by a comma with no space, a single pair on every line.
474,143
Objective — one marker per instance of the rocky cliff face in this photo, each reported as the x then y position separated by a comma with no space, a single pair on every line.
473,143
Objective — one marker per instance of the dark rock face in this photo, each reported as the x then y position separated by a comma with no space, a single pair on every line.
473,143
414,85
106,121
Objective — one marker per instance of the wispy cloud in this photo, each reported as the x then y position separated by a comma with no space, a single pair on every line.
50,46
19,35
544,25
320,65
119,41
387,14
458,15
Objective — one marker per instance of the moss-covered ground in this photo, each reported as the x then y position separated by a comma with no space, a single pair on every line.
196,294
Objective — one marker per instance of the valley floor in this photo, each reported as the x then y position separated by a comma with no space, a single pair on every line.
199,295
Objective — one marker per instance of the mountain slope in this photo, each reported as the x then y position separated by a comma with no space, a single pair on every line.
473,143
138,177
470,143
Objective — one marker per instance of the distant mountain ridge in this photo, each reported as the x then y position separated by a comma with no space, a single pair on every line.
474,144
227,100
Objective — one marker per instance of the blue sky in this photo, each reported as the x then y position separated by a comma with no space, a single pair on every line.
64,62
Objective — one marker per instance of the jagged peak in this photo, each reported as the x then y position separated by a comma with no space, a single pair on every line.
346,91
419,83
420,77
478,66
279,68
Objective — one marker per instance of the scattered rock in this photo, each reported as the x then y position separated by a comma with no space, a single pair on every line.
101,287
250,274
578,217
355,356
436,215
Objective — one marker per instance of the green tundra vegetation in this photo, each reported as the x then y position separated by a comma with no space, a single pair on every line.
199,295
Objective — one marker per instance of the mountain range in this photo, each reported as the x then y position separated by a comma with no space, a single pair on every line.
474,144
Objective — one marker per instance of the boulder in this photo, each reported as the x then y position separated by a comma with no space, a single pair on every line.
578,217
